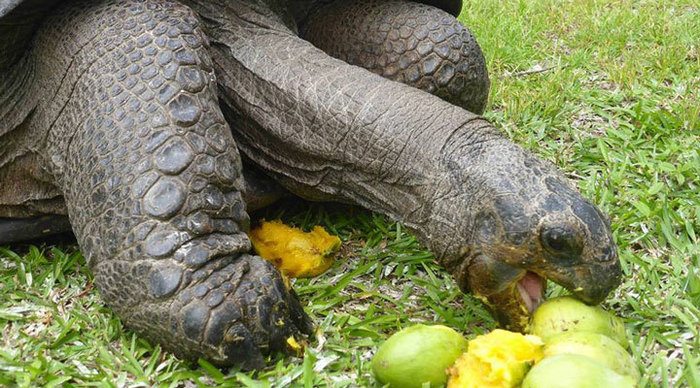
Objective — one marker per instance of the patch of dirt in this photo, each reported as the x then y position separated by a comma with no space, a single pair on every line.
589,122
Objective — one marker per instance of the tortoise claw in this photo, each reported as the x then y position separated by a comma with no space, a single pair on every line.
239,314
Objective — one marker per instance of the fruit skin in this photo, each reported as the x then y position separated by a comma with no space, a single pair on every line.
596,346
563,314
418,354
574,371
497,359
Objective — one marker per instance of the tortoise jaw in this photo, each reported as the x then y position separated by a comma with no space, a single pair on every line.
531,289
513,306
511,293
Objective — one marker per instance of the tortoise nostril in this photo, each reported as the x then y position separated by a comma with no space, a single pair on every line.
609,254
560,240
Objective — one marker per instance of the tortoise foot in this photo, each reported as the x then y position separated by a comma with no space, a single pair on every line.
152,181
235,311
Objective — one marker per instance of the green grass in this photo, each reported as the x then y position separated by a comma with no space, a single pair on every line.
617,107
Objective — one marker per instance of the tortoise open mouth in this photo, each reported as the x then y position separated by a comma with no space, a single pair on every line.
531,288
511,293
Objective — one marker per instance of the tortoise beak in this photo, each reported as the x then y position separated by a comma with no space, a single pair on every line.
592,284
513,305
513,294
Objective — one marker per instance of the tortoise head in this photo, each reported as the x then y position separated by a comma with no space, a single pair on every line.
531,227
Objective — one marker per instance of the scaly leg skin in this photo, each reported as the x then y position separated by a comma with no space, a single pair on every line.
408,42
152,181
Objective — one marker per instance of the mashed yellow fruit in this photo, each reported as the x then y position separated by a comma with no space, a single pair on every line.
296,253
500,358
295,347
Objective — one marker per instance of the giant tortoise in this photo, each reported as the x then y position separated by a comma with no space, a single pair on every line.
155,126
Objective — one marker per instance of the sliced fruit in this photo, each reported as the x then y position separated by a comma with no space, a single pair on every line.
498,359
296,253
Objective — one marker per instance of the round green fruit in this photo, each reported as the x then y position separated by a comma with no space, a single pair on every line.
574,371
567,314
418,354
596,346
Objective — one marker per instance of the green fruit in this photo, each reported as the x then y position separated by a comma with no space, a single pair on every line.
596,346
563,314
574,371
418,354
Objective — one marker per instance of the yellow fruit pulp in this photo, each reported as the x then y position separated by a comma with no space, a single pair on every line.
500,358
295,347
296,253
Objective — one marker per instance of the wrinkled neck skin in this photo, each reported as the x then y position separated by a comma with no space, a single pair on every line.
330,131
394,149
327,130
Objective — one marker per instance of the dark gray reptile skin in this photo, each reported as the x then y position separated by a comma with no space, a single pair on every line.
416,44
126,117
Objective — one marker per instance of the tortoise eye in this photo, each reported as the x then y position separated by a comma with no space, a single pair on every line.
560,240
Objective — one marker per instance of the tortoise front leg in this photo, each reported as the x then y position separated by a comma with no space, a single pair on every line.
404,41
152,181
